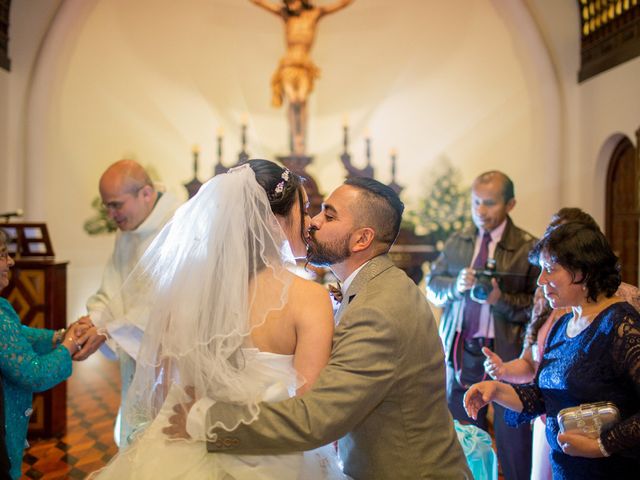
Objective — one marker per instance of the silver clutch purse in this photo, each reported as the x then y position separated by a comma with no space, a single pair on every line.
588,419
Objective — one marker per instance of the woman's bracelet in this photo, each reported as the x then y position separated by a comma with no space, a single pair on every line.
58,336
602,449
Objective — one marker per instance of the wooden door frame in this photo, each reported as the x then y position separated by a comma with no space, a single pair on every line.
621,147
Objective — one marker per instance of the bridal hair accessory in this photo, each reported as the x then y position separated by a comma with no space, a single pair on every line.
280,186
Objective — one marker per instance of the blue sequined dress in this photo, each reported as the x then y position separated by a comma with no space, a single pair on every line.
601,363
28,363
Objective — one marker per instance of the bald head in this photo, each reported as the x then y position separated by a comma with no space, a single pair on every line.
127,193
127,175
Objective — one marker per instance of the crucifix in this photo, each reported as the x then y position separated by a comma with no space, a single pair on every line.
293,79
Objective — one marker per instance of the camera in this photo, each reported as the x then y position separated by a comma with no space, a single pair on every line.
482,286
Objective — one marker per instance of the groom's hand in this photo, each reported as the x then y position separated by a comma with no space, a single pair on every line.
178,421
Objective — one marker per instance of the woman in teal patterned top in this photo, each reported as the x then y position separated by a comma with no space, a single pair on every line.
31,360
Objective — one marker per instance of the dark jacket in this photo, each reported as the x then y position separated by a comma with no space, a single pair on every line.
511,313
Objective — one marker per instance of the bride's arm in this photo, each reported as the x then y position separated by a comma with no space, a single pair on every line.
313,320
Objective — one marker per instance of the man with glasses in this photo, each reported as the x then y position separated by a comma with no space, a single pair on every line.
139,211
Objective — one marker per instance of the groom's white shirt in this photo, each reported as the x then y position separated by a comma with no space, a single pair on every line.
198,413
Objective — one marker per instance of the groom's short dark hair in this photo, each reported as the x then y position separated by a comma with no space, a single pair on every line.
380,208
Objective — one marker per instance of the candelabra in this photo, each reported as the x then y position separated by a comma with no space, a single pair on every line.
194,184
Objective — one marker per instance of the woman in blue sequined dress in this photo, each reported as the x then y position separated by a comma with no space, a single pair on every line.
31,360
591,354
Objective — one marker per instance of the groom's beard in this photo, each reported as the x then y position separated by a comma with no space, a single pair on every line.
329,253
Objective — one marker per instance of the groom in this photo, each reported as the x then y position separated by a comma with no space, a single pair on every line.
382,394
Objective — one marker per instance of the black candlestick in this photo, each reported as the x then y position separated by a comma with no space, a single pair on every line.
194,184
393,167
345,137
367,142
243,156
196,153
243,138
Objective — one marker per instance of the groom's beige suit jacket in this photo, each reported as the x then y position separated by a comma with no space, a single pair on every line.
382,394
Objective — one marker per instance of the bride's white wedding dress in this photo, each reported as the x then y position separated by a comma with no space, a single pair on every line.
154,456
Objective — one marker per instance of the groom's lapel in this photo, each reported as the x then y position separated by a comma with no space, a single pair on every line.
372,269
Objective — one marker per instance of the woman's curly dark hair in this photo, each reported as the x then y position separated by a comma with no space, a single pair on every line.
585,252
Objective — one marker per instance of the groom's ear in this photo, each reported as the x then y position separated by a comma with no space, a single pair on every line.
363,239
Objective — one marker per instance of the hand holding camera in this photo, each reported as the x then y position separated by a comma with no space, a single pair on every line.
485,288
466,279
482,283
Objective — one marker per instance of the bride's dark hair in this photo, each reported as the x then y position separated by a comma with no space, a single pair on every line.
283,188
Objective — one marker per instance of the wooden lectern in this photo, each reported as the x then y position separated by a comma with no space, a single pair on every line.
38,292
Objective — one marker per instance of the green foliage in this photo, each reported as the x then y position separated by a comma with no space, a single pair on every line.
445,209
100,222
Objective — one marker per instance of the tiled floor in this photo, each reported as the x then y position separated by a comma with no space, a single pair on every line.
93,396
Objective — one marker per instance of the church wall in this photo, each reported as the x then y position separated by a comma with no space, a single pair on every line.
609,108
151,79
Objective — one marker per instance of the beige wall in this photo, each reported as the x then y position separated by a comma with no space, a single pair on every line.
29,25
483,83
609,109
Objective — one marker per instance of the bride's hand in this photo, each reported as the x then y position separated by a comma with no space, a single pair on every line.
178,421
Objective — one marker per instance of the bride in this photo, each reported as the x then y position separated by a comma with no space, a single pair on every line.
225,319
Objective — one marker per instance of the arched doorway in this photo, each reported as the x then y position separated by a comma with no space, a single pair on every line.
622,210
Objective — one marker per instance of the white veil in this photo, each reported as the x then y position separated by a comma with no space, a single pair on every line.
212,274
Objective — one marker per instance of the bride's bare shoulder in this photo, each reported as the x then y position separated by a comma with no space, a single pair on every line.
309,290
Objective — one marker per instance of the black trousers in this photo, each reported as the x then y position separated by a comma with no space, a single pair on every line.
513,444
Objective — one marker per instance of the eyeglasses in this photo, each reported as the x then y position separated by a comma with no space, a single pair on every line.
5,256
117,205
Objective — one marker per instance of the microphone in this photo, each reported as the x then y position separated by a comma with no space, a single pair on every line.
7,215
